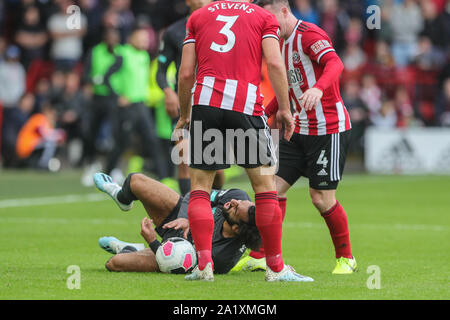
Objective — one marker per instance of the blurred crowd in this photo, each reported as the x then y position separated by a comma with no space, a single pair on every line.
52,100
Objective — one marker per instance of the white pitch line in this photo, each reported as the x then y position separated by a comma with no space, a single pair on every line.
290,225
70,198
407,227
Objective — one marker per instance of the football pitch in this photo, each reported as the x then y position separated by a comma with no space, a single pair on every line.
399,228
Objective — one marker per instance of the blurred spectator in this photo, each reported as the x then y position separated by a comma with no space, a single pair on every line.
37,140
12,78
354,57
93,10
334,21
385,33
383,56
436,26
98,62
3,46
354,32
407,23
31,36
57,83
371,94
429,58
15,118
67,39
358,112
42,93
70,107
303,10
120,17
132,115
404,108
443,105
386,117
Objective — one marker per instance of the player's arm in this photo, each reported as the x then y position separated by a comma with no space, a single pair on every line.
278,79
333,68
149,234
186,79
165,58
320,50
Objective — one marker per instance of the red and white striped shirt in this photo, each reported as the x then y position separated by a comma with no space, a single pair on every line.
302,52
228,44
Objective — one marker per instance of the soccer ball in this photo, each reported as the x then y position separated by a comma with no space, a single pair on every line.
176,255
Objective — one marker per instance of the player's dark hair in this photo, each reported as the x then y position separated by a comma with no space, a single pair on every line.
248,233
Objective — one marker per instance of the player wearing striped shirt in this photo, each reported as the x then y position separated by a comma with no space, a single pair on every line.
319,145
221,64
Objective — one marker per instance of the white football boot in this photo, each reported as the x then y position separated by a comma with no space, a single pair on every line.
105,184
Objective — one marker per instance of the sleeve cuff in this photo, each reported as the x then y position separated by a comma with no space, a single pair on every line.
318,87
154,246
271,36
323,53
189,41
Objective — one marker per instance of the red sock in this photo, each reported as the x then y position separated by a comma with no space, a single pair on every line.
268,221
261,254
336,220
257,254
282,203
201,223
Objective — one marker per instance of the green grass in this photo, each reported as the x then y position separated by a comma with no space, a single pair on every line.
400,224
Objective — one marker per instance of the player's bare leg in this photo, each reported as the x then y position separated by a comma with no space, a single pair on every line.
282,186
158,199
184,181
219,180
140,261
201,222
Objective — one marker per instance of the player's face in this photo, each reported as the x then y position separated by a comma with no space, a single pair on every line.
238,209
140,40
197,4
281,14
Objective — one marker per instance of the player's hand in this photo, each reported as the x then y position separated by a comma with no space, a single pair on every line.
147,230
285,118
171,102
183,123
310,98
180,223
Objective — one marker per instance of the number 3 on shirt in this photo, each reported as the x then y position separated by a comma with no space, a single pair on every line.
226,30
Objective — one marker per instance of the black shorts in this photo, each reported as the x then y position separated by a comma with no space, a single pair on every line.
219,138
169,233
319,158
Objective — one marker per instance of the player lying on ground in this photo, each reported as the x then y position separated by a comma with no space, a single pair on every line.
318,148
234,220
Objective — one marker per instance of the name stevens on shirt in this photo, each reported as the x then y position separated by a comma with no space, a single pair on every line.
235,6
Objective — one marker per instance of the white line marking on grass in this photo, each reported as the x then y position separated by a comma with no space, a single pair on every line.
348,180
73,221
407,227
70,198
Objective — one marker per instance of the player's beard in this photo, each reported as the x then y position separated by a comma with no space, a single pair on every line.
224,212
